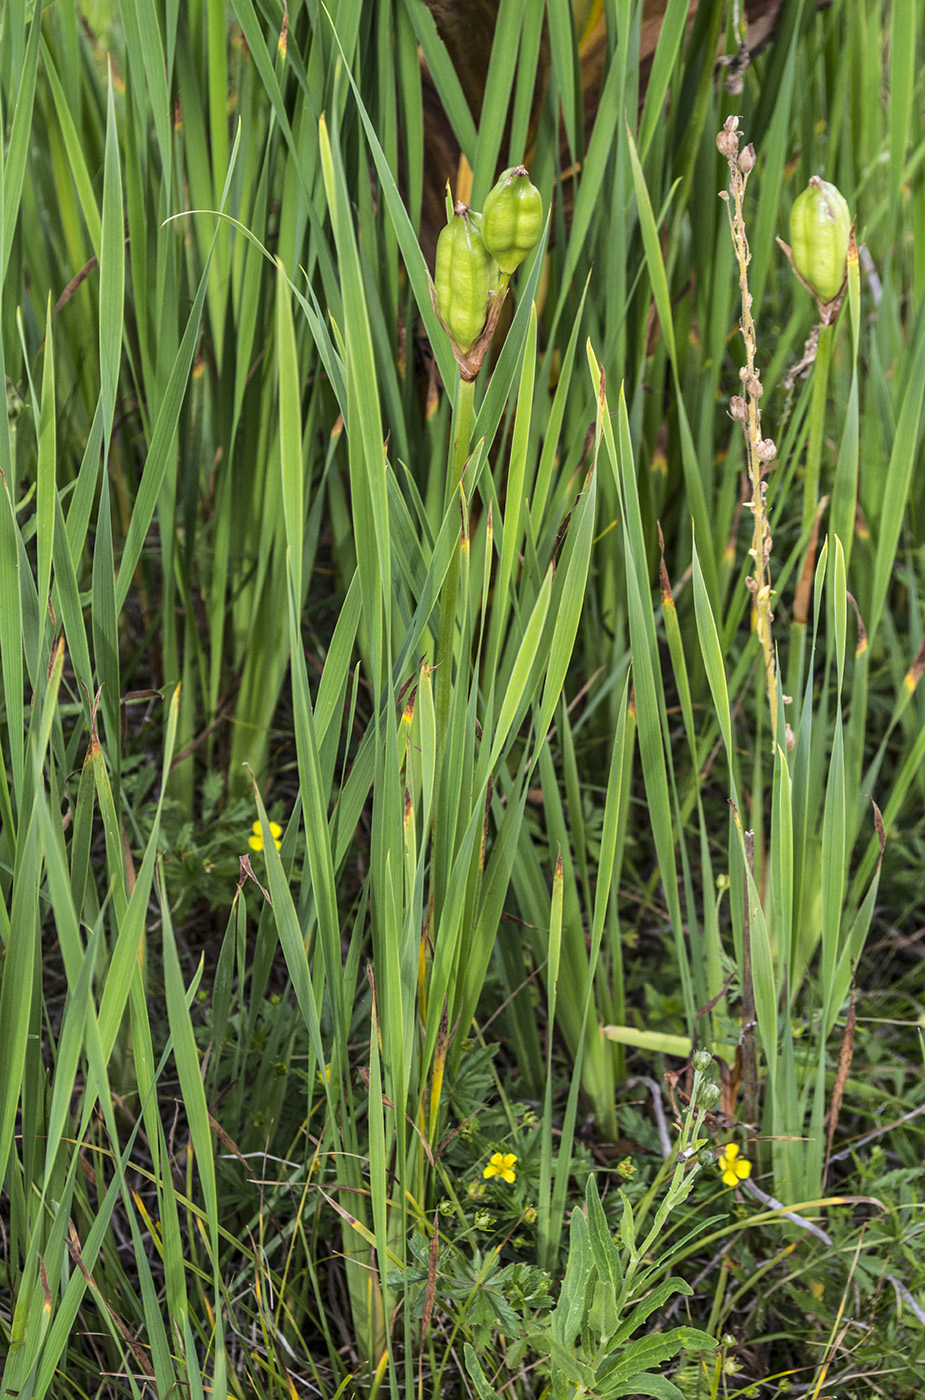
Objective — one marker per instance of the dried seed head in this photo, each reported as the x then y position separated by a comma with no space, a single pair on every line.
738,409
747,159
727,142
765,450
754,386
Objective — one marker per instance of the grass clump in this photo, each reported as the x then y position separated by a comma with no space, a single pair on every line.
419,777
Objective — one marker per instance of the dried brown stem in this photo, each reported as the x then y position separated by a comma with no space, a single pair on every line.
760,451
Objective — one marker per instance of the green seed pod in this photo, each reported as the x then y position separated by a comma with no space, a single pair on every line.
512,219
462,279
494,271
819,227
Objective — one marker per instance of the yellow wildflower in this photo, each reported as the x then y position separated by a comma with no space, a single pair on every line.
256,841
733,1167
501,1164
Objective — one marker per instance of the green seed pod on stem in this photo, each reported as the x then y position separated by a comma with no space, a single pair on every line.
462,279
512,219
494,271
819,228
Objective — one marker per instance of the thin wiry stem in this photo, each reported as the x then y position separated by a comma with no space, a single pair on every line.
760,451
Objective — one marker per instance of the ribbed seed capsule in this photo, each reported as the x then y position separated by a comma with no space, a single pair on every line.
462,278
819,227
494,271
512,219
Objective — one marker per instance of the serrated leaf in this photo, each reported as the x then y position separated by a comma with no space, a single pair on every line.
604,1252
602,1314
692,1339
647,1384
477,1375
650,1304
628,1226
653,1350
567,1318
675,1251
568,1365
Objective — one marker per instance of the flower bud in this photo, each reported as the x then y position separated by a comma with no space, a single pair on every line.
462,279
512,219
709,1097
819,227
701,1060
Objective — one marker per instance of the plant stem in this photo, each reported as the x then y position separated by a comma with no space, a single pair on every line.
816,424
463,419
462,433
759,451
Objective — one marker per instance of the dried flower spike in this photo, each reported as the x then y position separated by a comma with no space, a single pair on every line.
727,142
747,159
760,451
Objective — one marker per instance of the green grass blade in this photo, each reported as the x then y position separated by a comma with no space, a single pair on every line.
673,25
499,84
14,164
899,472
525,662
46,492
290,430
186,1059
112,272
161,449
452,98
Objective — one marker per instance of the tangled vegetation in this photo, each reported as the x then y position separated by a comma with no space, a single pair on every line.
462,749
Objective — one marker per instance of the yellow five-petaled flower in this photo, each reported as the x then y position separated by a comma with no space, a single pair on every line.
256,841
733,1167
501,1164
